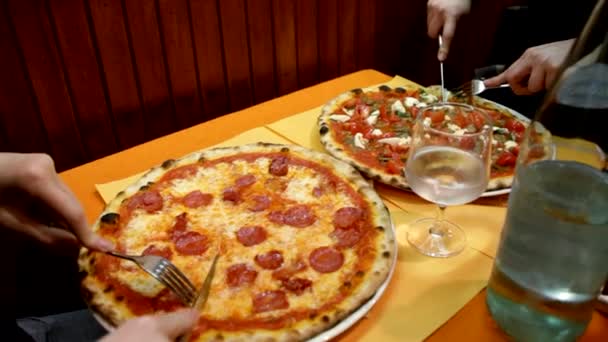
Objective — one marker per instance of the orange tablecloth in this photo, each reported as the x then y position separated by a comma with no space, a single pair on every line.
471,323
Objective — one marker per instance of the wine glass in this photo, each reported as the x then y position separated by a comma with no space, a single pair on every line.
448,164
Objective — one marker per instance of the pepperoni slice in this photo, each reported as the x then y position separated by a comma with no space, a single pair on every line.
296,285
240,274
245,181
150,201
191,243
179,227
270,261
347,237
196,199
299,216
326,259
261,202
347,217
270,301
231,194
276,217
288,271
279,166
153,250
251,235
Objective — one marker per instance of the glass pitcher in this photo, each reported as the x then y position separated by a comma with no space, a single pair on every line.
552,260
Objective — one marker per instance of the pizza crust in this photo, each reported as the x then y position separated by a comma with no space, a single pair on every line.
335,149
101,301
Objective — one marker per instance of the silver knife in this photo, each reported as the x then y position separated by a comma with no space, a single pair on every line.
443,92
203,293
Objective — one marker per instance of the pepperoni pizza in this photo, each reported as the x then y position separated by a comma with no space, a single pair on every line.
303,240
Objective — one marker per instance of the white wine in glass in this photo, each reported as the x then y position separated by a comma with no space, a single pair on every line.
448,164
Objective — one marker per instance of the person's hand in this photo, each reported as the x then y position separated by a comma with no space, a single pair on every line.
159,328
441,17
33,199
535,70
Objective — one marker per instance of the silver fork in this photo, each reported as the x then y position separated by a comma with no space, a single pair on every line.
473,87
165,272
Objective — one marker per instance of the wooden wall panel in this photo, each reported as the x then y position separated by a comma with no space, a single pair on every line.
22,127
233,18
307,42
144,36
209,56
367,33
284,19
119,76
81,79
77,52
37,42
328,39
261,38
177,39
348,30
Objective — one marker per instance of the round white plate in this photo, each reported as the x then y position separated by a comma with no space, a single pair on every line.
496,192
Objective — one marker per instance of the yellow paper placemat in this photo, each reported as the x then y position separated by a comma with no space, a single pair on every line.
109,190
425,292
302,128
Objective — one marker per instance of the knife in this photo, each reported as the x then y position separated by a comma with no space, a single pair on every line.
203,293
443,92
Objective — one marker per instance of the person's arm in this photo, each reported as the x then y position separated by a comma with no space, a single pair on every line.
158,328
442,17
535,70
33,197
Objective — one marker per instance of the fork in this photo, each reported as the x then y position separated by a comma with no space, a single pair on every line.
165,272
473,87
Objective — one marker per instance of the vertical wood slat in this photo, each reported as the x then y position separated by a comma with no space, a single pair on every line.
328,39
150,68
236,52
210,60
347,36
180,61
261,49
113,48
285,45
366,34
36,38
82,71
19,115
307,37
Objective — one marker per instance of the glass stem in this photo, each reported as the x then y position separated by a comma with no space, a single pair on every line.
436,228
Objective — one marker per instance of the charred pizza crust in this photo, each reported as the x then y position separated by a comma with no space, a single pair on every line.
337,149
103,301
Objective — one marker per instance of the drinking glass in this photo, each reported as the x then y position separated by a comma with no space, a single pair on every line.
552,258
448,164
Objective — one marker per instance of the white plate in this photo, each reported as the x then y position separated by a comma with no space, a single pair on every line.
496,192
344,324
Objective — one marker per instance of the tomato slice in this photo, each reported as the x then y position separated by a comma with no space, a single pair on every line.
515,126
460,120
437,117
393,167
477,119
506,159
